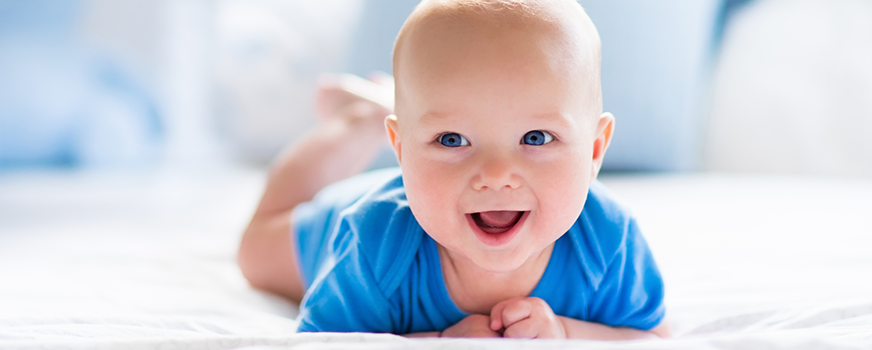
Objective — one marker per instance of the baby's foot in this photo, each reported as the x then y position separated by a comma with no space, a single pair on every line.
335,92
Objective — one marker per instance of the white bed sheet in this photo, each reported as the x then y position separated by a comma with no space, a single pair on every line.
145,260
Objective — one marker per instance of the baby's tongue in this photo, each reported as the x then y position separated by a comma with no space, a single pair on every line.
499,218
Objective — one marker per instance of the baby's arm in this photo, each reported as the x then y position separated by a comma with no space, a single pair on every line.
340,146
577,329
533,318
473,326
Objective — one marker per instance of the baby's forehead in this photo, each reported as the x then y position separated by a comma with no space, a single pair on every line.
562,27
443,34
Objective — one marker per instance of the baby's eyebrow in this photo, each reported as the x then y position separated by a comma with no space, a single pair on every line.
561,119
432,117
555,117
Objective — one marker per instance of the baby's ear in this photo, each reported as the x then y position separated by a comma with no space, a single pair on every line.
393,133
604,128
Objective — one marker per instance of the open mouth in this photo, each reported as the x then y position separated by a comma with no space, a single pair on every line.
496,228
495,222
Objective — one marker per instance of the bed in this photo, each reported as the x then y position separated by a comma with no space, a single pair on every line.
145,260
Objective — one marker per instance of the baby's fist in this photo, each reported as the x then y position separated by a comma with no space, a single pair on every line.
473,326
526,318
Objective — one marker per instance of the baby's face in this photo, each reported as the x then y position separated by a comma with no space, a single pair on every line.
496,141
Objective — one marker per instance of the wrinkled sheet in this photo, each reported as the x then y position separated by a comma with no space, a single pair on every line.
145,260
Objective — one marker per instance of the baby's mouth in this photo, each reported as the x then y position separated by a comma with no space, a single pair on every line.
494,222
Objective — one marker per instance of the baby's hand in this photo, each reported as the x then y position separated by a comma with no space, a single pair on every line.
473,326
526,318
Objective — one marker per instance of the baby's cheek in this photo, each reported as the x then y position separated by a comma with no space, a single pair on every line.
428,195
565,190
428,183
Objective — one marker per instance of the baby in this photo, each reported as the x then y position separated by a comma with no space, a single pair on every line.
495,225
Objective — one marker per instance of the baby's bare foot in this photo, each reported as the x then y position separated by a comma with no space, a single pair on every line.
335,92
364,117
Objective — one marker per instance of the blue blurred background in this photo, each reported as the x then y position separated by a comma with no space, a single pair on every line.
63,102
723,85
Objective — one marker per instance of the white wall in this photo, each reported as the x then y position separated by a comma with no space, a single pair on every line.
793,90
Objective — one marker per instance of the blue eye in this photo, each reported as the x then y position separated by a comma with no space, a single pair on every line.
453,139
537,138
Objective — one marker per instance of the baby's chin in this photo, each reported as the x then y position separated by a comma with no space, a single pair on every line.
506,265
496,261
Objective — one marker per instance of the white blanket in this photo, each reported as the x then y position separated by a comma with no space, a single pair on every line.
146,261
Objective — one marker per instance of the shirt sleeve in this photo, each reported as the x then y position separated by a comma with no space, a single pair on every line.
631,292
316,220
345,296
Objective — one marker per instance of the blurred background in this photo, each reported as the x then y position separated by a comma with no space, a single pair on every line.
135,137
764,86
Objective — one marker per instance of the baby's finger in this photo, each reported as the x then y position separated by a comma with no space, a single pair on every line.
516,311
523,329
496,315
497,311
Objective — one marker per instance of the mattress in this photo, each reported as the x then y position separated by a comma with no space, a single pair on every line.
145,260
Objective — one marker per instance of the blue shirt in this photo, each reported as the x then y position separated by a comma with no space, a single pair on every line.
370,267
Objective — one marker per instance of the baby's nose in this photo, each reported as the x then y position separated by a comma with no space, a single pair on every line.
496,174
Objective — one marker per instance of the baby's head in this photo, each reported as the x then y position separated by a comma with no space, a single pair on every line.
499,127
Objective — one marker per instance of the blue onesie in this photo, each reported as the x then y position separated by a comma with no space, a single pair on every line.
370,267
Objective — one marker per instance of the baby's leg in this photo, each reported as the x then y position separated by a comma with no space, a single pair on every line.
338,91
341,145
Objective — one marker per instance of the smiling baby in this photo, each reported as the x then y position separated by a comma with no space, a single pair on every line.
494,224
